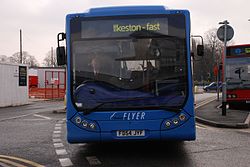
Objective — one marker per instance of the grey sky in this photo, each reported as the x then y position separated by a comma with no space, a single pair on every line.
41,20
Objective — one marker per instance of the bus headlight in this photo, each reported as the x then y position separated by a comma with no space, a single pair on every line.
92,125
167,124
175,121
85,123
78,120
182,117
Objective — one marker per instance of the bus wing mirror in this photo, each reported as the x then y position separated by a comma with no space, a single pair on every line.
61,55
60,50
192,54
200,50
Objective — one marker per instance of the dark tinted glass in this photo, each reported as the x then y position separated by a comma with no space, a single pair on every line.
129,57
238,51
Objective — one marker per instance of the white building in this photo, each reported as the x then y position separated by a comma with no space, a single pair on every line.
13,84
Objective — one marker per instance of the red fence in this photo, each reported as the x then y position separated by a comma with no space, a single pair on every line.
47,93
55,86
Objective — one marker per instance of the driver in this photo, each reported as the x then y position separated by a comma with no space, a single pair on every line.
95,64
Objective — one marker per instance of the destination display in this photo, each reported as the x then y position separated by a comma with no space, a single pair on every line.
136,27
124,27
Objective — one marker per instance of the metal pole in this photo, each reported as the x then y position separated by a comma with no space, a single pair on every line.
52,61
217,78
224,85
21,49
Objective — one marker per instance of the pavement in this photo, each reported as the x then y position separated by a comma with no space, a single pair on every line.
211,114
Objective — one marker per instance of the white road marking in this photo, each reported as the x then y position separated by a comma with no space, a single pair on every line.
60,122
57,145
93,160
200,127
57,140
41,116
33,119
65,162
58,128
57,131
61,152
20,116
56,135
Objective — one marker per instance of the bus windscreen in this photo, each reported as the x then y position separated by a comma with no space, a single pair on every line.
143,59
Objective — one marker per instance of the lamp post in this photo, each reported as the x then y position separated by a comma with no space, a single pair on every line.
225,33
224,84
21,48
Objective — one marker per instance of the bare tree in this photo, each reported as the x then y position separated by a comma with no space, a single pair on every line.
50,59
214,45
26,58
4,58
213,50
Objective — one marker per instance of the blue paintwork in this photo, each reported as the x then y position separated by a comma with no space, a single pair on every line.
129,10
185,131
154,119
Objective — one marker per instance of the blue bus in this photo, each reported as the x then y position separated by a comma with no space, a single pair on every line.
128,74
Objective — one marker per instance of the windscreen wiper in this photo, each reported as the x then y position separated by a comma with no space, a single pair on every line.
113,101
169,108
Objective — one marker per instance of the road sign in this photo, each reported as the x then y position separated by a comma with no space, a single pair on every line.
229,33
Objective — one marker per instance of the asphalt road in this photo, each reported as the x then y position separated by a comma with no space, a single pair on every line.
37,137
26,132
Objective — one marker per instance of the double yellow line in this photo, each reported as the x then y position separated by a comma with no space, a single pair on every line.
18,162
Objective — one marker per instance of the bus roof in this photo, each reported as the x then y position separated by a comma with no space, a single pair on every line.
238,45
127,10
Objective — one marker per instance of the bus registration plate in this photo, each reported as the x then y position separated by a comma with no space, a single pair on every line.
127,133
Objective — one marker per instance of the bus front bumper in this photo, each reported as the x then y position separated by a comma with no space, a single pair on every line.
184,132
